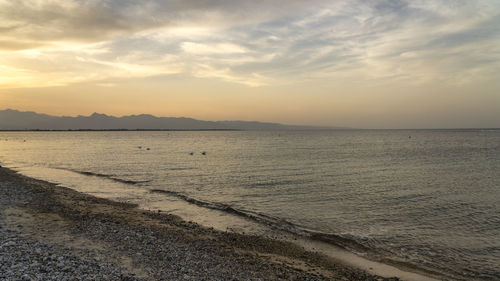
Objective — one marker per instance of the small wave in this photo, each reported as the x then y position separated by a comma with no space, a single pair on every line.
181,169
273,222
221,207
341,241
275,183
110,177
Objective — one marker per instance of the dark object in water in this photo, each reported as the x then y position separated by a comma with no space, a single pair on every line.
204,153
147,148
191,153
140,147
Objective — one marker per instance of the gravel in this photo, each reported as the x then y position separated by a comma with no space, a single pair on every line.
23,258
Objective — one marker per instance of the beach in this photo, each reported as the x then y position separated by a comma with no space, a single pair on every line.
345,196
49,232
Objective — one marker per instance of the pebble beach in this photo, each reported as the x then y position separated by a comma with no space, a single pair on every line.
49,232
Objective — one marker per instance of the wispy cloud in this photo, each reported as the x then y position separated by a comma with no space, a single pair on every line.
253,43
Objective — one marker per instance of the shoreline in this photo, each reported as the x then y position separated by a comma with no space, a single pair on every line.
76,210
133,240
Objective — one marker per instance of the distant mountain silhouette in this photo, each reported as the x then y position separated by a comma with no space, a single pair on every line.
17,120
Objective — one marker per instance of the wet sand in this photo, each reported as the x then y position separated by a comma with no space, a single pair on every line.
48,231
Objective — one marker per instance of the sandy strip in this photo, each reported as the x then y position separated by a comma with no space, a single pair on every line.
47,231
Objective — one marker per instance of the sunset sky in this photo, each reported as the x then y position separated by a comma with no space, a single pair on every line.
365,64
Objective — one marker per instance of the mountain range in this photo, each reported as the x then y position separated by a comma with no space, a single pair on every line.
18,120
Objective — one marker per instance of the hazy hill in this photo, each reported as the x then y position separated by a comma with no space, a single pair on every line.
17,120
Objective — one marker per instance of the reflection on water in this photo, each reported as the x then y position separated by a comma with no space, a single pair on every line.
429,200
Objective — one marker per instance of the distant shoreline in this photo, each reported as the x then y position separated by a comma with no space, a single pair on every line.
243,130
119,130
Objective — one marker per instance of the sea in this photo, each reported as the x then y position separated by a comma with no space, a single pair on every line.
428,199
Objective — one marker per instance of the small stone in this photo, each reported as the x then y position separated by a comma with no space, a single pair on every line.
67,269
8,244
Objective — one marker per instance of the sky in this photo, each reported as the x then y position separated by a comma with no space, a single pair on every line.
357,63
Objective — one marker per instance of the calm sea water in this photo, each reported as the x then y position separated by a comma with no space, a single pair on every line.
429,198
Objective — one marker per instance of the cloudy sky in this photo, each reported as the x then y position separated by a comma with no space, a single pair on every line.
358,63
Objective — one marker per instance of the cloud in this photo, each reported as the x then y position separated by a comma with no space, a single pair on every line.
96,20
17,45
254,43
212,49
251,80
59,20
370,38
